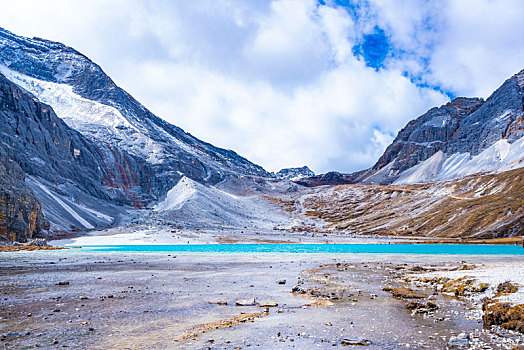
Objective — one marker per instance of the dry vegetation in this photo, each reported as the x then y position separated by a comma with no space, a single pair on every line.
481,206
504,314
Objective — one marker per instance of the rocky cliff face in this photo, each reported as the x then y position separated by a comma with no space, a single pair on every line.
45,147
61,161
90,102
20,211
87,148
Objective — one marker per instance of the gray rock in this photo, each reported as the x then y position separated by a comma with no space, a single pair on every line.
460,341
294,173
460,126
267,304
182,153
356,341
246,302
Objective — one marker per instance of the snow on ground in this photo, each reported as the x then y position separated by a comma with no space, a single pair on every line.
141,235
492,273
500,156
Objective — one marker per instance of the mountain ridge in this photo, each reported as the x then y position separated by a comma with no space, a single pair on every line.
178,153
462,128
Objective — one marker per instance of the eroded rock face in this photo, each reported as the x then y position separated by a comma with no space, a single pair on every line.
20,211
36,142
464,125
45,147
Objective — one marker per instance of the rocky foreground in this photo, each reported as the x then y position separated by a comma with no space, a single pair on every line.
101,300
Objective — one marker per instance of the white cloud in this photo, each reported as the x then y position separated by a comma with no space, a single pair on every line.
481,45
471,46
276,80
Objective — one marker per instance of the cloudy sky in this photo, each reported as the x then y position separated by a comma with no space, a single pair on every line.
290,82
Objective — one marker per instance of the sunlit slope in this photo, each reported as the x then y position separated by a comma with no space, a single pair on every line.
490,205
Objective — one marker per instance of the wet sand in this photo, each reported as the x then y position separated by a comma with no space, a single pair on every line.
162,301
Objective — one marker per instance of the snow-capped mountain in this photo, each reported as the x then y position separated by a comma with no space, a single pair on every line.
463,137
88,100
80,150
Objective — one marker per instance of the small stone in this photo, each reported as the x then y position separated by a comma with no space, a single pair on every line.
29,314
245,302
91,329
56,310
281,281
356,341
83,298
63,283
329,324
267,304
459,341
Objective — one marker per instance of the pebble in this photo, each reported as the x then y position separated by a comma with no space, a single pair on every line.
245,302
267,304
356,341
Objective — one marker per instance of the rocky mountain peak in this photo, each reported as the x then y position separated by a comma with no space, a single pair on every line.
294,174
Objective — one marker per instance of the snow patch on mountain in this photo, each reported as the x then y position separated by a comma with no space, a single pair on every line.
501,156
438,121
178,195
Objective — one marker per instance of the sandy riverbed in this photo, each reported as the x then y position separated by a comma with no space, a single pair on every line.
157,300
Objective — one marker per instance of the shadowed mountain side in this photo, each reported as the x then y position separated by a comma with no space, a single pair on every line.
50,152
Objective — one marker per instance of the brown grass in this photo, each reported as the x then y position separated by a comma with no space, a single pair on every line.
489,206
228,322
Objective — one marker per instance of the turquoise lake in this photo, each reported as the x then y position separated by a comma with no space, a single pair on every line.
438,249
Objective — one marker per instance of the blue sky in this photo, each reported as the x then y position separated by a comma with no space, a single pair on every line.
290,82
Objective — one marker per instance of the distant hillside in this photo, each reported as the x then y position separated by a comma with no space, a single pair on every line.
485,206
